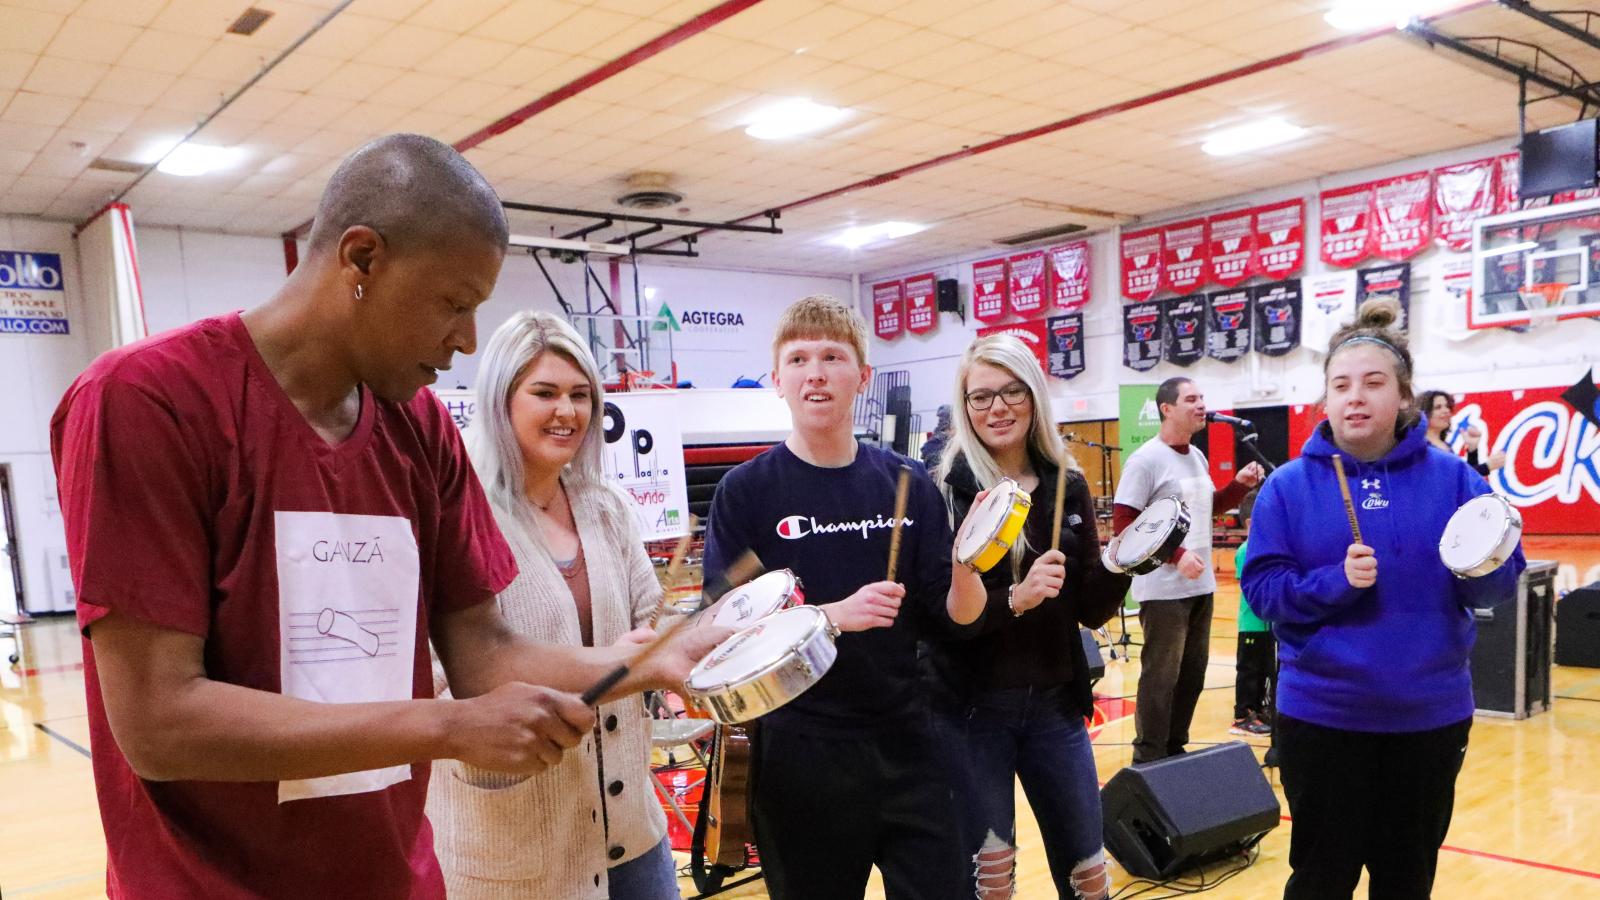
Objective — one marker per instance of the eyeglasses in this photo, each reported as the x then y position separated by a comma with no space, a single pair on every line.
1014,394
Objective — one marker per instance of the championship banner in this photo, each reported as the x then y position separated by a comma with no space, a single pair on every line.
1231,242
1328,304
1394,282
1183,255
989,290
1280,232
1462,194
1277,316
643,455
1346,218
1551,439
922,303
888,310
1590,221
1141,263
1030,332
1184,329
1141,336
1069,271
1027,282
1403,215
1065,333
1228,331
1508,183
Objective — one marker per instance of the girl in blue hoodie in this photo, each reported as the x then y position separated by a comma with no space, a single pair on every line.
1374,696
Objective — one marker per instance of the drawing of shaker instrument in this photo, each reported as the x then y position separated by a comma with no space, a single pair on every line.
343,626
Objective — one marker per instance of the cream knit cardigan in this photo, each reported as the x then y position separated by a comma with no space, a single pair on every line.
546,836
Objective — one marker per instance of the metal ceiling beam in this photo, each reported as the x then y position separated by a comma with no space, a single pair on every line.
770,215
1552,18
1580,90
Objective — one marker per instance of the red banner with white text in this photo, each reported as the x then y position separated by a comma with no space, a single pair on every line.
1141,263
922,303
989,290
888,310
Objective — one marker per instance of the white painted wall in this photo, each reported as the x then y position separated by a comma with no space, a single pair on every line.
1486,360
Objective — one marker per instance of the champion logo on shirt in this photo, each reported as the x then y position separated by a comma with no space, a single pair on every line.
792,528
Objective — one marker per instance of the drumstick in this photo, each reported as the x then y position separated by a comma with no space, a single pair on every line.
1061,501
900,494
673,567
1349,505
742,568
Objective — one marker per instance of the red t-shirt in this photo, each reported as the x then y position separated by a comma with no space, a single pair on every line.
197,498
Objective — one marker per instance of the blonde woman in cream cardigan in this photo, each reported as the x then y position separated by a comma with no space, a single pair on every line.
590,827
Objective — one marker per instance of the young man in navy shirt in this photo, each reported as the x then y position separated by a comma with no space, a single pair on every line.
845,777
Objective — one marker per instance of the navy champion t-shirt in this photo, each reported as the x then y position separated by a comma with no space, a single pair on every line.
832,526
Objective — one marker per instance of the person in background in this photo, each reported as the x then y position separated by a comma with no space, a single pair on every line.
1438,407
1256,654
937,440
1375,692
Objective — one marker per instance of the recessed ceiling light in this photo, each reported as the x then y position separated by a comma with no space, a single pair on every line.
865,235
191,159
793,117
1358,15
1255,136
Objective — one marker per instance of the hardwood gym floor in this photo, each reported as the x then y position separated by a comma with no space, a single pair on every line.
1525,823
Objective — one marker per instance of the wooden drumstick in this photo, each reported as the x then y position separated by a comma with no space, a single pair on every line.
1349,504
901,493
673,568
1061,502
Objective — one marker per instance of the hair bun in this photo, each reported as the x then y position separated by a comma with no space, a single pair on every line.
1379,312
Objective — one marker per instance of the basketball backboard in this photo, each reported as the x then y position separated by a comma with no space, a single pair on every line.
1534,265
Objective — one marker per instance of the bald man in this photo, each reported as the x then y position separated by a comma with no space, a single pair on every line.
267,520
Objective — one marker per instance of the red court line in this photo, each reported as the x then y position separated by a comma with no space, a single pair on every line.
53,670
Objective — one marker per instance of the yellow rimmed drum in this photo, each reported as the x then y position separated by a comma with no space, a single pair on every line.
993,526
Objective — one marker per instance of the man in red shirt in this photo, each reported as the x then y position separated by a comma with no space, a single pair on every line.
267,521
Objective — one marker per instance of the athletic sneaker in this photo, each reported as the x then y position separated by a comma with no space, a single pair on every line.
1251,726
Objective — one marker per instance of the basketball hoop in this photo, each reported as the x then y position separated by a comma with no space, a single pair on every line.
1543,296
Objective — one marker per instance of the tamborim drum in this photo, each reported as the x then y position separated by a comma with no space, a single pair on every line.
992,526
1481,536
1151,540
749,603
764,666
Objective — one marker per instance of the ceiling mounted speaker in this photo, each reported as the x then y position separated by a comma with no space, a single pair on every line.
649,190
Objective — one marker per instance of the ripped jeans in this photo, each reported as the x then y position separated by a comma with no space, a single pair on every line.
1027,733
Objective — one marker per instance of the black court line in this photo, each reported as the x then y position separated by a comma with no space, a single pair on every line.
62,738
1570,697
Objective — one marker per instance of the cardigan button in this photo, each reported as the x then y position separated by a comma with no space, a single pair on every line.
611,723
597,879
594,815
616,853
615,788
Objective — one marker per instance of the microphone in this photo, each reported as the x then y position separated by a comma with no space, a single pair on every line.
1230,420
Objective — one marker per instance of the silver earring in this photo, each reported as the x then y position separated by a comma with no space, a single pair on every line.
360,291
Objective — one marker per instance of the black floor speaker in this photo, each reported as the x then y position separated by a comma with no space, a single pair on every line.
1091,655
1164,817
1578,628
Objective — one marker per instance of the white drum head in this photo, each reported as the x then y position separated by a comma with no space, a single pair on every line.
755,648
1148,532
984,521
756,600
1474,532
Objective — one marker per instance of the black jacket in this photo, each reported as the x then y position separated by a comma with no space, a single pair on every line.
1041,648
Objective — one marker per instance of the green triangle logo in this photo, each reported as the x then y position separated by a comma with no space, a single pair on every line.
666,321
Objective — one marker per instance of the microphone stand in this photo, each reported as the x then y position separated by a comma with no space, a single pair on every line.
1105,491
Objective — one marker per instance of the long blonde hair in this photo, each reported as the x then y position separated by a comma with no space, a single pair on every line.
1003,351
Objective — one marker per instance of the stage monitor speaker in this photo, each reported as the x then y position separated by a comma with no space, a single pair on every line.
1578,628
949,295
1167,816
1091,655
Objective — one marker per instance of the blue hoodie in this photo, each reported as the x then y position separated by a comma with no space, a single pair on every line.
1392,657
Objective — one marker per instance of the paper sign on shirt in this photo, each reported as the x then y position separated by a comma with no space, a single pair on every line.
1232,242
1462,194
1277,316
1280,238
1065,334
1329,303
1229,328
347,623
1184,327
1392,281
1346,216
1183,255
1141,336
1069,282
461,403
989,287
1141,263
1403,215
888,310
643,454
922,303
